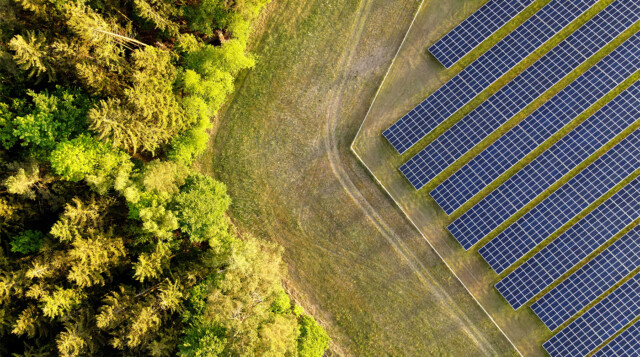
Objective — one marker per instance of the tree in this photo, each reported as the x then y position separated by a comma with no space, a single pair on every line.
209,75
31,54
150,115
85,158
202,341
27,242
60,302
111,243
193,142
24,180
210,15
278,337
313,340
159,13
236,308
43,121
201,205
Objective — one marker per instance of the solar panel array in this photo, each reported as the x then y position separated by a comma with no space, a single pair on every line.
627,344
520,92
590,281
599,323
497,61
475,29
564,204
563,253
546,169
600,154
538,127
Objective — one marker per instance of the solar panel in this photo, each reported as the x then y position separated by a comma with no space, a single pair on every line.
563,204
590,281
599,323
520,92
626,344
563,253
546,169
476,77
475,29
538,127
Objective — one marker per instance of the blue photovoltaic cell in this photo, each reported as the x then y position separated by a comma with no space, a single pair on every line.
599,323
522,139
626,344
590,281
520,92
537,176
563,204
475,29
497,61
564,252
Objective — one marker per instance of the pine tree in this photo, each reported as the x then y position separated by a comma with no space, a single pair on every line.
23,182
71,342
151,114
145,323
27,322
170,296
60,302
159,13
115,308
93,257
30,54
150,265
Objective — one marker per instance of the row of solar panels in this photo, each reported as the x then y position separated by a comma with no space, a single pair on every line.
598,156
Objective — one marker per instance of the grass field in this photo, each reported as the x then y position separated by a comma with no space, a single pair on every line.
282,147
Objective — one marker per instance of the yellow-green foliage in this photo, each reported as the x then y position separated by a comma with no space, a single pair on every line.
105,227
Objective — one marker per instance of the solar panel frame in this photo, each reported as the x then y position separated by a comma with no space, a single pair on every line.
538,175
484,71
599,323
475,29
572,246
564,204
539,126
532,83
626,344
590,281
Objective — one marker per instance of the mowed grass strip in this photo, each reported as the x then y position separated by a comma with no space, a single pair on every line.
502,81
546,145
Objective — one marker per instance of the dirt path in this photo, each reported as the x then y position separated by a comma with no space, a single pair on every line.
331,144
283,150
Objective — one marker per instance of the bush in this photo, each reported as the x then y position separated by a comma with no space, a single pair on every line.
313,340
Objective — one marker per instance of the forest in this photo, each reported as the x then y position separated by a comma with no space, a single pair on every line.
111,242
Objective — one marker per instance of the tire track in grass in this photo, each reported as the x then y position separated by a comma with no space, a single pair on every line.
331,145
